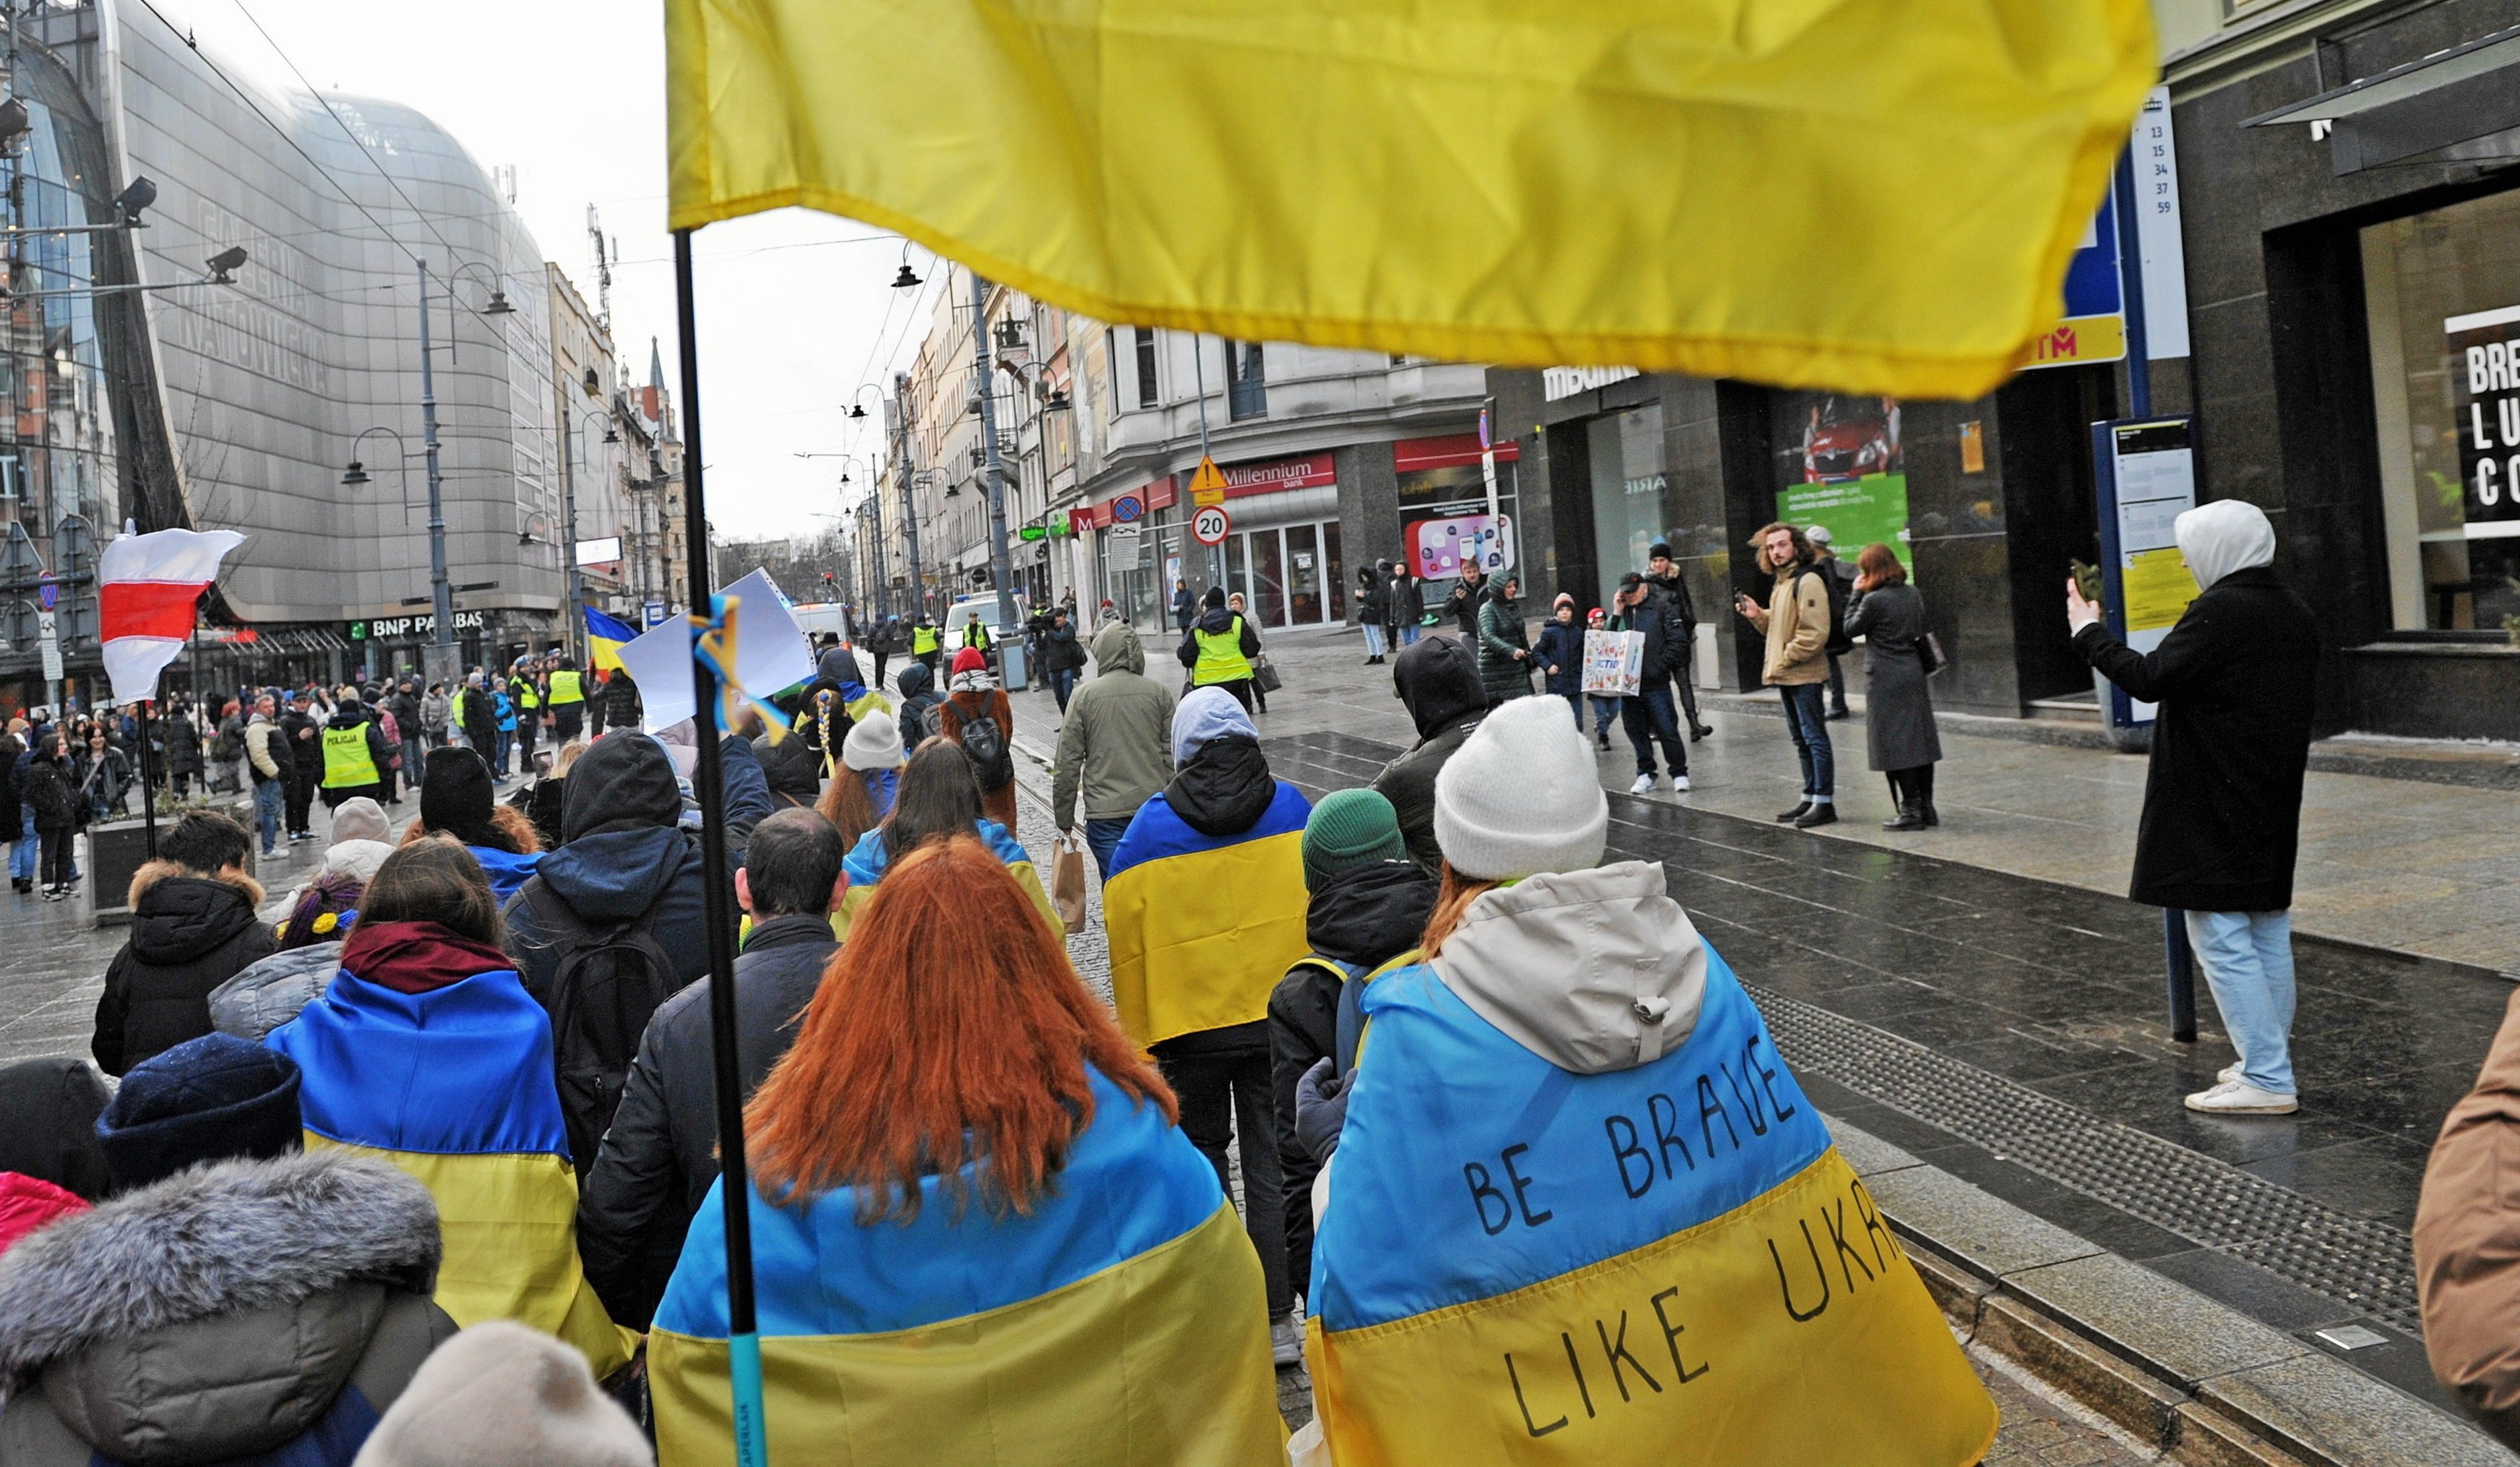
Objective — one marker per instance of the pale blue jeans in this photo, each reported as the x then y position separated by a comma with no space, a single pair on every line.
2247,958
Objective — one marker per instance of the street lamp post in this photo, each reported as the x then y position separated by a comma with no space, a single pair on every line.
1000,569
440,662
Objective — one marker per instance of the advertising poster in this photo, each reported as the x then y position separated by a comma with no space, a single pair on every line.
1849,474
2485,391
1443,519
1438,549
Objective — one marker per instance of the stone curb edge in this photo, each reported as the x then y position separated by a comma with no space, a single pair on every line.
2177,1370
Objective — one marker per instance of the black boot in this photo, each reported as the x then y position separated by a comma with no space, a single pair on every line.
1789,817
1819,814
1927,809
1910,816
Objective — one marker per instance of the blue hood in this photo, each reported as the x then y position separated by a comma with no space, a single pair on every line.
506,869
867,864
615,876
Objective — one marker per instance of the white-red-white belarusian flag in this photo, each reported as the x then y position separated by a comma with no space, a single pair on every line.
148,585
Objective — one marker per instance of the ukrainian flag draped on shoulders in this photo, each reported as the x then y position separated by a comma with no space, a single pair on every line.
1123,1320
452,1082
868,861
1201,925
1656,1256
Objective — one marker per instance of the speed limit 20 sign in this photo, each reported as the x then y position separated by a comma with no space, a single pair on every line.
1210,526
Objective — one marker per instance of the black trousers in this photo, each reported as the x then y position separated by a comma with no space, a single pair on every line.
57,856
1224,1104
525,729
1241,688
881,658
567,720
1917,784
300,802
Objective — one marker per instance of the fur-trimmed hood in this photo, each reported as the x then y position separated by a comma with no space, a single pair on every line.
216,1240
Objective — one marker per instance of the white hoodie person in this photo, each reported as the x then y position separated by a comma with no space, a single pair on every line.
1577,1192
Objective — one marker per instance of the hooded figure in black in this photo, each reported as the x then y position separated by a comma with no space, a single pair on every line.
918,684
627,857
193,928
1438,682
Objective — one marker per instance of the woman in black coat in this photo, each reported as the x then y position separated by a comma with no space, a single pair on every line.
1899,739
50,790
1374,611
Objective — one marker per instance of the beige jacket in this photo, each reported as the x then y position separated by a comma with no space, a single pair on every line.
1796,621
2467,1243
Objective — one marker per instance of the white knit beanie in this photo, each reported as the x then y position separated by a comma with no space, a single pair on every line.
1520,797
874,741
501,1393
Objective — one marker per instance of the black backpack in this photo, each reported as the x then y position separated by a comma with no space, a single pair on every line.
984,744
607,984
1839,644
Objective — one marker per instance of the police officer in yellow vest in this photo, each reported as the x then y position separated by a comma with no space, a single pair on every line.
1218,649
355,756
567,700
924,642
528,701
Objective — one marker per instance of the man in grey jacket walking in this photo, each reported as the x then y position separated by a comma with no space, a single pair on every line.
1115,748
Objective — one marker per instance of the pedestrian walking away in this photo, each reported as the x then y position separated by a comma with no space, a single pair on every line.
1115,746
1373,608
1798,624
1218,649
1204,912
937,797
1437,680
2234,682
1505,1044
355,754
660,1157
959,1139
1899,739
564,694
1648,717
976,716
427,1052
1366,905
861,793
1504,647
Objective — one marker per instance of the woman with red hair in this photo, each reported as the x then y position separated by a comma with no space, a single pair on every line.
975,697
967,1183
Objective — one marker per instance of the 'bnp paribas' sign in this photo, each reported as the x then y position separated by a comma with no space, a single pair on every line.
387,628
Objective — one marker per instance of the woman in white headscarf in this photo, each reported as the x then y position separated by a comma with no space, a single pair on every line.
2236,684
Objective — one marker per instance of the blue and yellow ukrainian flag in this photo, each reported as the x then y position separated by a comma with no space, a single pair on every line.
867,864
1665,1264
1202,926
1122,1321
604,638
455,1088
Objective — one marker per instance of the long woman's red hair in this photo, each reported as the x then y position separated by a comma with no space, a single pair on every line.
950,1029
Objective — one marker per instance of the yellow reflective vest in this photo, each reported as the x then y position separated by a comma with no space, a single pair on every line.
1220,656
527,697
923,640
348,764
565,688
975,633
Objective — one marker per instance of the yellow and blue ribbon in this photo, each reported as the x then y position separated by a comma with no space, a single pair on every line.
715,640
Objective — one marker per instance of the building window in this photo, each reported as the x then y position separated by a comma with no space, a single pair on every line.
1246,393
1146,396
2442,293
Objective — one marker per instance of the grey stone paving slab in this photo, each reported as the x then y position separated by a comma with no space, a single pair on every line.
2148,1319
1866,1152
1979,1229
2349,1418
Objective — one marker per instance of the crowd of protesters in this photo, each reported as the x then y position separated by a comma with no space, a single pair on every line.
1331,1114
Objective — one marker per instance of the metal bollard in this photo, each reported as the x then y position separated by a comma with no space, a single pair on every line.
2181,961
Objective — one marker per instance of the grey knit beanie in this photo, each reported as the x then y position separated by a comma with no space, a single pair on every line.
1520,797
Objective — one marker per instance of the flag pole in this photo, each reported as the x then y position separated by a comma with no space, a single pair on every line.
147,787
744,1344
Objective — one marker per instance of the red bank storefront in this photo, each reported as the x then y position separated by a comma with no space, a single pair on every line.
1281,554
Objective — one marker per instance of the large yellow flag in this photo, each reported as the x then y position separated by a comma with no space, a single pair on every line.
1870,195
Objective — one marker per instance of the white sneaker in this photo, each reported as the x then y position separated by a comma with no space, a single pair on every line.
1680,784
1643,785
1287,1341
2240,1098
2228,1074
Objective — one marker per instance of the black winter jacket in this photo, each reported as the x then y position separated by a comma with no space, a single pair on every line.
1060,649
661,1156
1559,656
189,935
1438,682
1666,652
1373,602
2222,803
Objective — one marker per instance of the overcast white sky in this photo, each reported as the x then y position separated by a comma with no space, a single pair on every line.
792,314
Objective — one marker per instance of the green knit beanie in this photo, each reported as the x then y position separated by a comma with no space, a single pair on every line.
1349,829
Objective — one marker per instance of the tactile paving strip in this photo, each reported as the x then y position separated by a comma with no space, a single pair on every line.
2360,1264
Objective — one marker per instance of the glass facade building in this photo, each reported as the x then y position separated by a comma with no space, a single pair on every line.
239,406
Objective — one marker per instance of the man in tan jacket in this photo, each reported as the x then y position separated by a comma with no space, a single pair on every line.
1796,619
2467,1244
